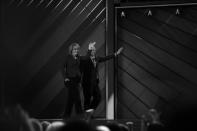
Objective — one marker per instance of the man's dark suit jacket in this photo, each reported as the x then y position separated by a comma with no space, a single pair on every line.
89,71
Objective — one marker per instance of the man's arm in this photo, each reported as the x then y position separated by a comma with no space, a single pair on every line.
103,59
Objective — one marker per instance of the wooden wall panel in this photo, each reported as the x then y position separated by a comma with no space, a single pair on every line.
157,68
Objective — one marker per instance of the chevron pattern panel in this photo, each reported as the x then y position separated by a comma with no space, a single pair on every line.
37,34
158,68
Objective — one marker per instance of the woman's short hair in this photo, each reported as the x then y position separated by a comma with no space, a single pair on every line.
71,47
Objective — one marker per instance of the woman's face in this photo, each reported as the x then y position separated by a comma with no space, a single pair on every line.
75,50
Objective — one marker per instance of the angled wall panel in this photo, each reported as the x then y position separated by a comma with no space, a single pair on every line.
158,66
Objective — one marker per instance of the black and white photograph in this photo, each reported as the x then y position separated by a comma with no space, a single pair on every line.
98,65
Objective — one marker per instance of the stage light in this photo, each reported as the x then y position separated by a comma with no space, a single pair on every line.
122,14
149,13
177,12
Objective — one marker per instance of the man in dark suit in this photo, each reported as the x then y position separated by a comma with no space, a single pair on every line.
90,79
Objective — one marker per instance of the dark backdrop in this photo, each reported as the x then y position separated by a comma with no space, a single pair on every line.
36,35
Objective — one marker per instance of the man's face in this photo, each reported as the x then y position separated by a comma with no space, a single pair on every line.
75,50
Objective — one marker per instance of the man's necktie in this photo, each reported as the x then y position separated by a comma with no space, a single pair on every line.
94,61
